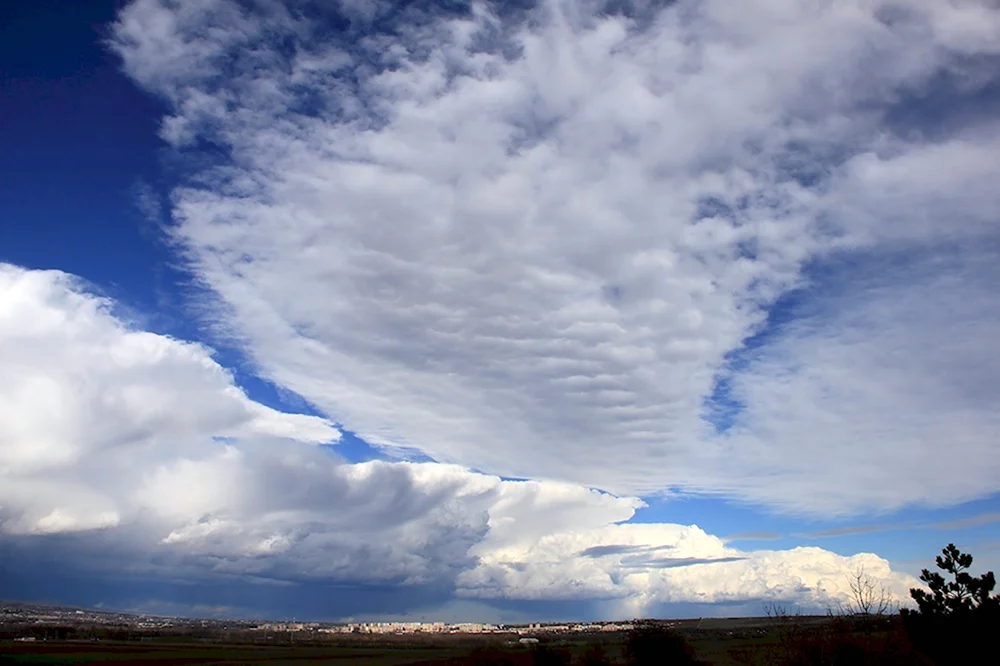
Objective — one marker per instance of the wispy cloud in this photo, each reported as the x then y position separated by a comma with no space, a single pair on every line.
972,521
149,206
674,562
957,524
614,549
849,530
753,536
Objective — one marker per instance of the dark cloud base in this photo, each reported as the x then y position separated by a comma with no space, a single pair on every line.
23,580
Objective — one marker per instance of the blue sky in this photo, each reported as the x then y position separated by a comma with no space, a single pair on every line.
360,311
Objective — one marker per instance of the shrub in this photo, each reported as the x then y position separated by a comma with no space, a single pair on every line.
651,643
595,656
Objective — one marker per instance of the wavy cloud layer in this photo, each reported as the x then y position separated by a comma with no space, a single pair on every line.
541,243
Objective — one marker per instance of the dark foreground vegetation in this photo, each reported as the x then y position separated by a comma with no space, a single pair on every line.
955,623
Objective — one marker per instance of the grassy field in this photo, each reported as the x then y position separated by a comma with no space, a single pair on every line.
716,644
80,652
716,651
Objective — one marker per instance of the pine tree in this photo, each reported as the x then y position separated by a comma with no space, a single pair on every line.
956,620
964,594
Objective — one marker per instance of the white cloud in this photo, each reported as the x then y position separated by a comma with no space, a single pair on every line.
149,489
85,396
641,566
528,245
830,391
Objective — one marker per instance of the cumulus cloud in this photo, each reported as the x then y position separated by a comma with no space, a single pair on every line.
138,457
84,396
639,567
532,242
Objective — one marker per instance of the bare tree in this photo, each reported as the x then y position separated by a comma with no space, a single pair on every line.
869,596
786,629
777,611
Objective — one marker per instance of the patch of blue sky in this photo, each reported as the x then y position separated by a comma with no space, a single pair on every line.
753,528
80,145
354,449
953,100
913,534
722,407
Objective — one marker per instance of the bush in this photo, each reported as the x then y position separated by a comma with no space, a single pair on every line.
488,657
843,644
595,656
651,643
543,655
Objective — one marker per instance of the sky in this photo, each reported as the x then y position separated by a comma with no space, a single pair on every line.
502,312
